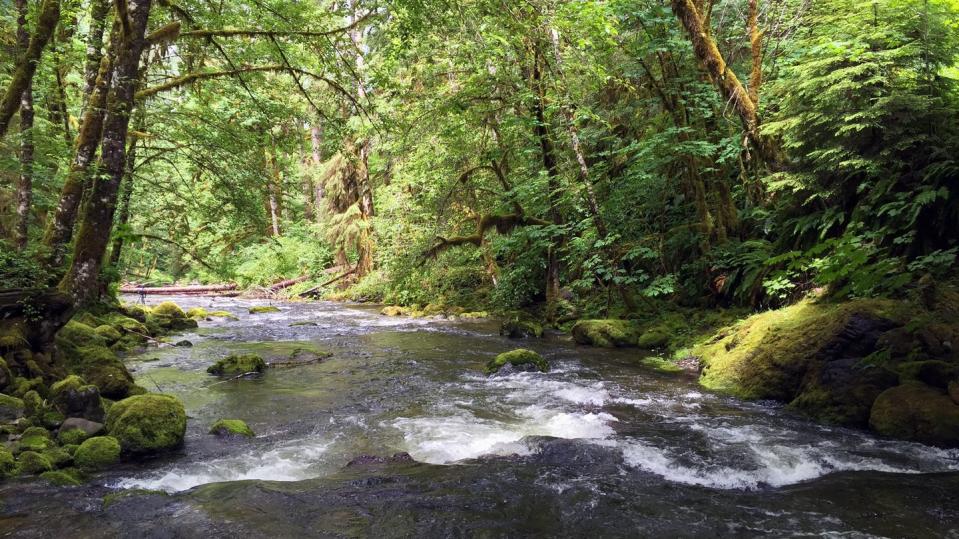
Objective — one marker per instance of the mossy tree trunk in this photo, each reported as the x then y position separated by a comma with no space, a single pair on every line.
60,230
27,64
82,281
123,214
25,186
99,9
319,189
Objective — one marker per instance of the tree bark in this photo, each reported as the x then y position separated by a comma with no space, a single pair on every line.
319,188
82,281
98,20
27,66
123,216
25,186
60,229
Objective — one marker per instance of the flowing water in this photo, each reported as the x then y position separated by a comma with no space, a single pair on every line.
598,446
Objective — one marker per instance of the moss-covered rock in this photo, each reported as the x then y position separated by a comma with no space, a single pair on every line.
147,423
222,314
8,465
473,315
197,312
521,326
520,360
68,477
72,436
661,365
97,453
238,364
58,457
109,333
36,439
31,462
605,333
916,411
395,310
231,428
652,339
260,309
11,408
6,377
935,373
86,353
130,494
168,316
73,397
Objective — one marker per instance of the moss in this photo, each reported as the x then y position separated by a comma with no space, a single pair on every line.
71,449
70,383
517,358
653,338
86,353
12,336
36,439
124,323
168,316
661,365
25,385
231,427
521,326
31,462
916,411
8,465
147,423
473,315
68,477
6,377
932,372
97,453
605,333
168,308
395,310
51,419
108,333
33,402
238,364
260,309
11,407
222,314
72,436
58,457
197,312
767,355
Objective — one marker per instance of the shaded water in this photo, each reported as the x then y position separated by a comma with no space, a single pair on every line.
598,446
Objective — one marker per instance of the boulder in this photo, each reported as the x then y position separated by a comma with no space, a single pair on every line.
260,309
931,372
395,310
184,344
518,360
11,408
8,465
147,423
75,398
605,333
918,412
86,353
76,429
168,316
97,453
653,339
237,364
31,462
231,428
521,327
109,333
69,477
36,439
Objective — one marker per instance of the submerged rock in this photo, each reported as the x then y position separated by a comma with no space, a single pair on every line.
68,477
518,360
605,333
259,309
368,460
238,364
661,365
520,326
147,423
395,310
184,344
918,412
231,428
97,453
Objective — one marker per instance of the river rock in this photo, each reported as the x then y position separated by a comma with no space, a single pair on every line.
147,423
605,333
238,364
97,453
368,460
75,398
184,344
918,412
90,428
260,309
231,428
520,360
11,408
521,327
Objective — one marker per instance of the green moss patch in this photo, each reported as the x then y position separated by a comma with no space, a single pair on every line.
31,462
916,411
8,465
97,453
67,477
147,423
521,358
661,365
237,364
606,333
230,428
260,309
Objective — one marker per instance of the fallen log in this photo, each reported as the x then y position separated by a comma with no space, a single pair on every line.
129,289
288,283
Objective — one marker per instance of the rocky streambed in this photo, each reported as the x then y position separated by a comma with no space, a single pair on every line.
398,432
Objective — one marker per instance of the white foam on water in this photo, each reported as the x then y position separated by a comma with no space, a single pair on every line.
290,462
448,439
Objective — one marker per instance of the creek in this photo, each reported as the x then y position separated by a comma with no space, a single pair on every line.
599,446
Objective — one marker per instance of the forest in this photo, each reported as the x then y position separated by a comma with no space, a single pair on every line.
753,201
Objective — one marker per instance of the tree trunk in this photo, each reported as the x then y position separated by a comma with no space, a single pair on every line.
60,229
82,281
123,216
274,192
98,20
319,189
27,65
25,186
